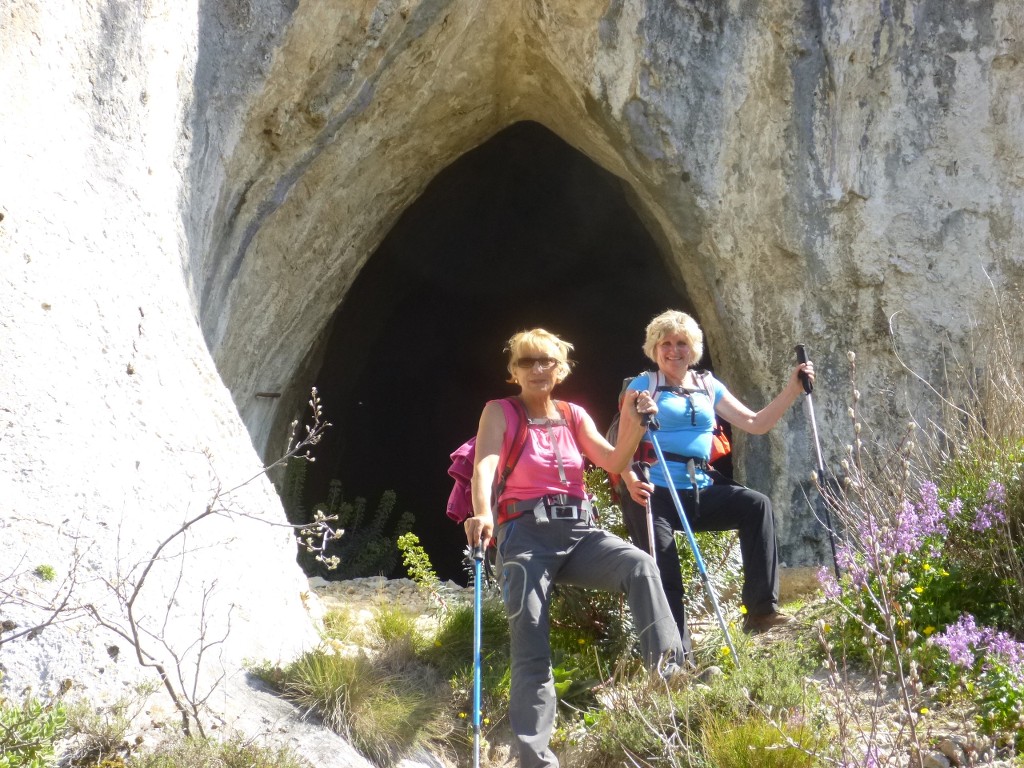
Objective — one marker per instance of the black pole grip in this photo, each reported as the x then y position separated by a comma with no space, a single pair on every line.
801,357
643,469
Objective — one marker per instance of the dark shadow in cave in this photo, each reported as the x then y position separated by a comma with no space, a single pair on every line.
523,231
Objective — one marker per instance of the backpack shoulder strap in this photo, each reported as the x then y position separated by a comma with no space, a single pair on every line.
569,416
518,442
705,377
652,383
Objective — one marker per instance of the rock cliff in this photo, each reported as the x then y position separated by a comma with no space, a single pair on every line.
189,192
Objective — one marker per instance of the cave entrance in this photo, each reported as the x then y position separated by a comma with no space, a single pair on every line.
523,231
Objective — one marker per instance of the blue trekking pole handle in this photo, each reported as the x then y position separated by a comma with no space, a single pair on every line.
478,558
698,560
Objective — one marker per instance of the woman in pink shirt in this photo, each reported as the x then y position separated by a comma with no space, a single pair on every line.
545,529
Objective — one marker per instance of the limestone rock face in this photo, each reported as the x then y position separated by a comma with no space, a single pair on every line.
847,177
188,191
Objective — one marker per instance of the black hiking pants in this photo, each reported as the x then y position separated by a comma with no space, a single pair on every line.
725,506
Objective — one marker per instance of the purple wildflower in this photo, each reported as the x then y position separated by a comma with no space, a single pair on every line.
992,511
960,640
828,583
917,525
966,642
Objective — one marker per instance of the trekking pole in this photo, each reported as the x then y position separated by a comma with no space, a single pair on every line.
478,558
698,560
643,469
801,357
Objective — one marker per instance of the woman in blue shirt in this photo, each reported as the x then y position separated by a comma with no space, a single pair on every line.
688,401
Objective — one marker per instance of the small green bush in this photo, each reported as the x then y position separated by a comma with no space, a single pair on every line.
757,743
369,544
386,705
29,730
417,562
393,625
234,752
45,572
101,734
452,646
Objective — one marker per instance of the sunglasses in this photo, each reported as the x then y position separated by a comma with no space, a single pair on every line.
545,363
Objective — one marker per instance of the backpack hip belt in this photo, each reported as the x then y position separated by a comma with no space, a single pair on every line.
553,506
646,451
693,463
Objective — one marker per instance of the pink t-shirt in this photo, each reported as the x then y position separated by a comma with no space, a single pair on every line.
536,472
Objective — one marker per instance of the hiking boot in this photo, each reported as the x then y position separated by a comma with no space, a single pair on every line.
673,673
708,674
755,625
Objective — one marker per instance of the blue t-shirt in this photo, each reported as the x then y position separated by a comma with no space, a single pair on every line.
687,421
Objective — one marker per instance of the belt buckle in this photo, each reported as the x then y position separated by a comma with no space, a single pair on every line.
564,512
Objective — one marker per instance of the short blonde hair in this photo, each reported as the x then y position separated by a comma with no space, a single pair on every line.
670,322
538,339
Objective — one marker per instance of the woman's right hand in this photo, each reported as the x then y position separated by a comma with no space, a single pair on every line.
639,491
479,529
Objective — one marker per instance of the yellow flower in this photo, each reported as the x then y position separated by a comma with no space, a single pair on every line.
487,721
581,641
924,710
724,651
926,567
943,572
462,715
919,590
743,609
928,630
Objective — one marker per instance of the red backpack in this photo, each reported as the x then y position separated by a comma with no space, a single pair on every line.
460,501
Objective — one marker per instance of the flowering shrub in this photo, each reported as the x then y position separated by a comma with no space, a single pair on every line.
987,546
988,665
899,573
911,576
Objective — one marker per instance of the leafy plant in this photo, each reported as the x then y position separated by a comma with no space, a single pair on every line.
369,546
45,572
452,648
758,743
233,752
29,730
417,562
101,734
393,625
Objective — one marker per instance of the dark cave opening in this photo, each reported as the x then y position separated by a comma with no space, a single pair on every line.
523,231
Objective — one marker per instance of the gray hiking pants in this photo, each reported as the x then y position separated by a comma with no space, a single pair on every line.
533,557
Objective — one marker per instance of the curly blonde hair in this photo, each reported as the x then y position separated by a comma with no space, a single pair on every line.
671,322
